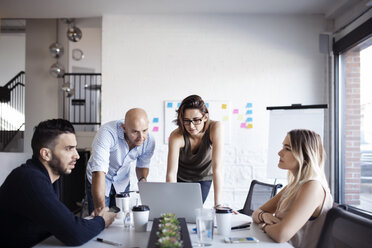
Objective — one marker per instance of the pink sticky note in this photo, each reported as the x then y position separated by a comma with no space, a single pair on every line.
155,129
243,125
236,111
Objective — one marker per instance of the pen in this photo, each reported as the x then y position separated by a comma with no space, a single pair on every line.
241,226
130,191
108,242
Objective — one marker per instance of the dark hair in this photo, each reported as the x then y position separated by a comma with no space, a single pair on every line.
191,102
46,133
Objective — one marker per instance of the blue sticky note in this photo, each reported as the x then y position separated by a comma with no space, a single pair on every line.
249,119
155,120
249,112
178,105
170,105
207,104
249,105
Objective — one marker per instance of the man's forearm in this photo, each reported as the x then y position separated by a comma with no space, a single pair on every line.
98,189
142,174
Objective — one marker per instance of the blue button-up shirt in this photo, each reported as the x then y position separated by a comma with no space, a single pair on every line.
111,154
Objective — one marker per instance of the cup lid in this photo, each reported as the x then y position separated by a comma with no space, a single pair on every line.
141,208
223,210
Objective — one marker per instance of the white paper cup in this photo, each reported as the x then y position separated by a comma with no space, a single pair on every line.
122,202
140,217
223,218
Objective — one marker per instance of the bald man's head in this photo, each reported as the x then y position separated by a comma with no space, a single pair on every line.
136,127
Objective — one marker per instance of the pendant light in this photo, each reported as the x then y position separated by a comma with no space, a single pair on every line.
56,50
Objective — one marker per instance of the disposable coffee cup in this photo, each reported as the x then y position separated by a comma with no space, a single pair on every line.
122,202
223,218
140,217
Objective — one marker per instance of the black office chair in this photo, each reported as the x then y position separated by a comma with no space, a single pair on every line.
343,229
258,194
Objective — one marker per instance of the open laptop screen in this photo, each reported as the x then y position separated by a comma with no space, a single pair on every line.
179,198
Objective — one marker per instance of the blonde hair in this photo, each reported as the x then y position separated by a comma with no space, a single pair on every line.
307,148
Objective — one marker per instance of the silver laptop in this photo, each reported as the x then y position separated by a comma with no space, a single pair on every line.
179,198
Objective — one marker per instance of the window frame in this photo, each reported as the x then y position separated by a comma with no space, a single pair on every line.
358,35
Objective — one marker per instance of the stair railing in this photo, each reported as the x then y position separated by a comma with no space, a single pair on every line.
82,100
12,109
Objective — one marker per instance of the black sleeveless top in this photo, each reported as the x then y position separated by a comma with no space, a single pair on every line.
196,166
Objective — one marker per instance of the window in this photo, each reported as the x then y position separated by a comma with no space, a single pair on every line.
354,118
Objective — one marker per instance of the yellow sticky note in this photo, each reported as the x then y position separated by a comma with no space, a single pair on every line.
250,126
240,117
224,106
225,118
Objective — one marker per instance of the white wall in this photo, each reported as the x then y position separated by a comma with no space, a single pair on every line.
10,161
12,55
90,44
266,60
41,88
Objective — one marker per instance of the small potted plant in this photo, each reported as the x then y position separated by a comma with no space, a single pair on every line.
169,232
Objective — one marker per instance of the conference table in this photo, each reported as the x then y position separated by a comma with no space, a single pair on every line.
129,238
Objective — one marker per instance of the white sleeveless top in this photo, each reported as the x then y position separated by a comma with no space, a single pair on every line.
308,236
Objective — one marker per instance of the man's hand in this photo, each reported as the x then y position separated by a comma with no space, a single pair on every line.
107,216
96,211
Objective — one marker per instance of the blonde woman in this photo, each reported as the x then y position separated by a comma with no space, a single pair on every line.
297,213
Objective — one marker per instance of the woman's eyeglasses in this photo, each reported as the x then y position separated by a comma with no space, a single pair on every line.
193,121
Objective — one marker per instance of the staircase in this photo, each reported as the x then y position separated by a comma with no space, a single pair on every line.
12,114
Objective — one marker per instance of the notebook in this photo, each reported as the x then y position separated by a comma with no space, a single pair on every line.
179,198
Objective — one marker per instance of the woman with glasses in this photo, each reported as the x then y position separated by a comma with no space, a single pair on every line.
196,148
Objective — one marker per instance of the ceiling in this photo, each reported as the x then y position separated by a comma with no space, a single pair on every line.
96,8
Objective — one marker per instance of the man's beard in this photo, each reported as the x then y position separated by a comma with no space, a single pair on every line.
56,166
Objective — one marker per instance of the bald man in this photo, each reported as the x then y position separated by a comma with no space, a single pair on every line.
116,145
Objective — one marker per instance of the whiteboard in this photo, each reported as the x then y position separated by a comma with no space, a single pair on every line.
218,111
281,122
